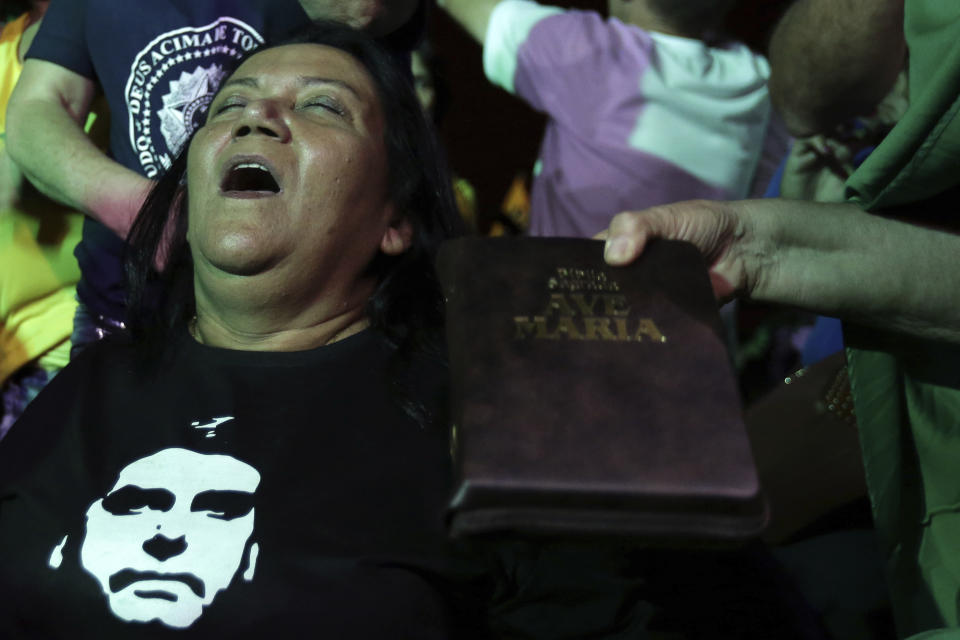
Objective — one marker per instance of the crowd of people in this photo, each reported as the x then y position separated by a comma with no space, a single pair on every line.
228,415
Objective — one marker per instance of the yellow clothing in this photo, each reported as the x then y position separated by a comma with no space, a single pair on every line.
10,62
38,272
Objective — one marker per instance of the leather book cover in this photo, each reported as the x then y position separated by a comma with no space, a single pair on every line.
590,399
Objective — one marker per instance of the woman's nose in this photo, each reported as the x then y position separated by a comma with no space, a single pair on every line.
261,117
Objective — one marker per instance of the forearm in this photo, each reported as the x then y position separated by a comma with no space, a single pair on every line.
51,149
832,60
836,260
472,15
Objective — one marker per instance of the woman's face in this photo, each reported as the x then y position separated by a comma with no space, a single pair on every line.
289,173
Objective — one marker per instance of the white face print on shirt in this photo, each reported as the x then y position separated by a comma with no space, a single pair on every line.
171,534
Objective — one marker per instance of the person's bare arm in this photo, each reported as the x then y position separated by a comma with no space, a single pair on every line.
831,259
46,139
832,60
379,17
473,15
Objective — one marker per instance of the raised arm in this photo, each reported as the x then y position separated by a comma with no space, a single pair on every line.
832,60
832,259
473,15
46,139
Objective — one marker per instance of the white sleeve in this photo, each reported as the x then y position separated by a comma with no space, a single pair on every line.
508,28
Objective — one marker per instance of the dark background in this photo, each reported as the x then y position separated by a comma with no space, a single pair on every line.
491,136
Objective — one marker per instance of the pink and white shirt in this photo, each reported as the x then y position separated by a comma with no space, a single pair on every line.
636,118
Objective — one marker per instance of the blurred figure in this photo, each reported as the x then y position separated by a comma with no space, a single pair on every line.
16,35
433,95
427,80
818,166
515,209
817,169
37,268
648,107
883,261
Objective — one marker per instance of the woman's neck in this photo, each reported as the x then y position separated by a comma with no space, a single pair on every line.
260,333
264,316
269,312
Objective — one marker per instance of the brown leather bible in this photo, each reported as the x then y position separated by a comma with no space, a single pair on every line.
590,399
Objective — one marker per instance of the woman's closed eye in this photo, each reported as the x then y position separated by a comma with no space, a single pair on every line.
325,104
228,105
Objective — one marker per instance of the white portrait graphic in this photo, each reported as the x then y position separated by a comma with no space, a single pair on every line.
171,534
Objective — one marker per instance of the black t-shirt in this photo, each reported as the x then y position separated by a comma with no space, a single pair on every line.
245,494
293,483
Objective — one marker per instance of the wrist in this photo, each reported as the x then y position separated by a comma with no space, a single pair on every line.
116,202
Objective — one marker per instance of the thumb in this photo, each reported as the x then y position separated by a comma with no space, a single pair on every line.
625,238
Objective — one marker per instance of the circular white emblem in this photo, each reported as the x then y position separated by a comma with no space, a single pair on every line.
172,82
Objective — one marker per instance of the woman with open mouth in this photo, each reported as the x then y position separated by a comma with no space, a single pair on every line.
270,453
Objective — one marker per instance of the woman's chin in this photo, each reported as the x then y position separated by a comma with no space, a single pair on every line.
241,264
239,255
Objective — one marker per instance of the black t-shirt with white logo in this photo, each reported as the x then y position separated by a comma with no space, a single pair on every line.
231,492
247,494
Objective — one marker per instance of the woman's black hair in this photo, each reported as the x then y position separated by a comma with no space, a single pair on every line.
406,306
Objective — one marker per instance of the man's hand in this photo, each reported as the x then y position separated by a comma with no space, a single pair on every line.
817,169
830,259
713,227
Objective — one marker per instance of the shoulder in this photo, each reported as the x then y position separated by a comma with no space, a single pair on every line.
103,369
695,63
555,37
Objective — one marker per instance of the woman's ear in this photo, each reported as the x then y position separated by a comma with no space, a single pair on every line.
397,238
